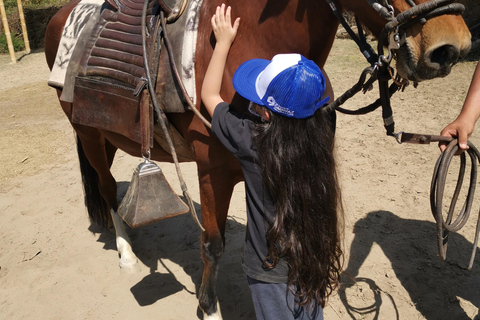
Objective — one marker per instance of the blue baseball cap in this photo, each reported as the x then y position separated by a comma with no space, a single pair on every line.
289,84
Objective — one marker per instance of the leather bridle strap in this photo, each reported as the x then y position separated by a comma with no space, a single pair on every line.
359,39
379,63
426,10
378,70
384,9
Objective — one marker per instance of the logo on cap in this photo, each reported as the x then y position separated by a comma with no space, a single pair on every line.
278,108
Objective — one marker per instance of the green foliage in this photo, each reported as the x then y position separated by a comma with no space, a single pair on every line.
12,4
18,44
37,15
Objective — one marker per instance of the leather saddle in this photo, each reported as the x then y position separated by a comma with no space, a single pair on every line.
111,74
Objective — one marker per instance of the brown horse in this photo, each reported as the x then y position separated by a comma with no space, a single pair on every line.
268,27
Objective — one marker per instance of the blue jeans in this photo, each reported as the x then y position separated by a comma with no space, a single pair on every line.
275,301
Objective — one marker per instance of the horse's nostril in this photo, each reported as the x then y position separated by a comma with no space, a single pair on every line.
445,55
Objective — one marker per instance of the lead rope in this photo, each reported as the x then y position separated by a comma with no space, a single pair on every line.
161,117
437,188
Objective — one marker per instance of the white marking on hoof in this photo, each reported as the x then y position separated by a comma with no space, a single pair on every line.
130,267
128,259
128,263
214,316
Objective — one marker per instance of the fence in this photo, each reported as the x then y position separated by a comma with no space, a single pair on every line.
8,35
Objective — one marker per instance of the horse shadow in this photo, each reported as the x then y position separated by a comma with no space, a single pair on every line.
176,241
433,285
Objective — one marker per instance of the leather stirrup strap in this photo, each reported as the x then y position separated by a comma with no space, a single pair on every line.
146,123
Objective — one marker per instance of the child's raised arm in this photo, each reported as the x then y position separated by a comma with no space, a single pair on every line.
225,34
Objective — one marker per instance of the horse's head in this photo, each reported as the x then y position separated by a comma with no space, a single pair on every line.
432,45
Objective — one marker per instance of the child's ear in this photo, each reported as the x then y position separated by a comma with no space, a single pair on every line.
265,114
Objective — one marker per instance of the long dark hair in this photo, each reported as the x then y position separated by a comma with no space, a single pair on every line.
298,167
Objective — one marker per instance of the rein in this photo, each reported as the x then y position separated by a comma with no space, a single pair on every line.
380,70
444,227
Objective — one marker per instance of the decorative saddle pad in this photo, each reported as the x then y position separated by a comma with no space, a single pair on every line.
114,51
111,72
76,34
86,12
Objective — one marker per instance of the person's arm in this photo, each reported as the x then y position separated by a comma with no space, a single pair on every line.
462,127
225,35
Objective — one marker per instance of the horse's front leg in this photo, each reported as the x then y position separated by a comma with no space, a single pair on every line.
216,189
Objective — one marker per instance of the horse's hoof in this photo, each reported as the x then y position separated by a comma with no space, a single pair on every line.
214,316
129,266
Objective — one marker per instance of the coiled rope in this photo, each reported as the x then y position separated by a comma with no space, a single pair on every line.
437,188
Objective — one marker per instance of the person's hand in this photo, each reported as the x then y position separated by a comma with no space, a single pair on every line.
223,29
225,34
464,125
460,129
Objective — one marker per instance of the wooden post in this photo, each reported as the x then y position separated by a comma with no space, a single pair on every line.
7,32
24,26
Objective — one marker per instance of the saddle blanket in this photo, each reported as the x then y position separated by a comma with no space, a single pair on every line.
81,20
74,26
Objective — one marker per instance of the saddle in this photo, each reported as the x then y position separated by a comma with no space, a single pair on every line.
111,73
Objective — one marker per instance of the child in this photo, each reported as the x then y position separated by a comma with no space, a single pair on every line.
292,254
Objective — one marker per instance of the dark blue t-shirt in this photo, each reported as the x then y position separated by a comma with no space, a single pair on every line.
235,132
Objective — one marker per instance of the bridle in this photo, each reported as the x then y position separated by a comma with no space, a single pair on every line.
393,36
379,70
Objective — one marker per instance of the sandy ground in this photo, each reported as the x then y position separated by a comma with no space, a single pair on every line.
55,265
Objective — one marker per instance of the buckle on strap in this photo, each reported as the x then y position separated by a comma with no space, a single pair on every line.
417,138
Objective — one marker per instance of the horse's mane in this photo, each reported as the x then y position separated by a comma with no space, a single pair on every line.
296,157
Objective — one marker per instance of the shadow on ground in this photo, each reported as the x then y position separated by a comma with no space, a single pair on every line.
177,239
410,245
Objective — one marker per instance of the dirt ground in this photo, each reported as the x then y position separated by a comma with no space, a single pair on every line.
55,265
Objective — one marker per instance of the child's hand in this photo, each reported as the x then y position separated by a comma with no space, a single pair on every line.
224,32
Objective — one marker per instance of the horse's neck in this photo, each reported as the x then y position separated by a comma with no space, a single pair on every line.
302,26
322,26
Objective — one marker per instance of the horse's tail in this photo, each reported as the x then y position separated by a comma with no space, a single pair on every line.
96,205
